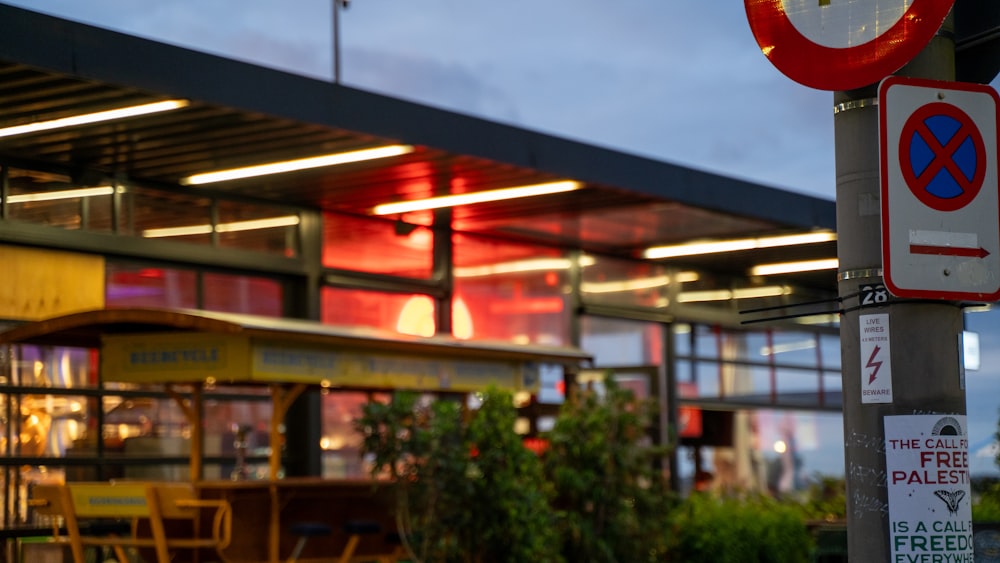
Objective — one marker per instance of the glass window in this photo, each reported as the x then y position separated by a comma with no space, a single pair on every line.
242,294
783,347
618,342
377,246
131,285
137,285
405,313
611,281
48,366
176,216
512,292
830,351
259,228
56,200
340,442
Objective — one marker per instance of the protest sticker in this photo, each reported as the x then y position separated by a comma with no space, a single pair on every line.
930,501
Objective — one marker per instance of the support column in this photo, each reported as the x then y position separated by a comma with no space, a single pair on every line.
924,335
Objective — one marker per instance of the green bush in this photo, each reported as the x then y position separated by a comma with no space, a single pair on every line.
826,499
746,529
986,506
613,501
468,490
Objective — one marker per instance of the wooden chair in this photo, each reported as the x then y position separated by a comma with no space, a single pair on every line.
155,503
54,503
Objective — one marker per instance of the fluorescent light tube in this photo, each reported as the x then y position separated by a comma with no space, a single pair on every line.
232,227
97,117
793,267
727,294
61,194
254,224
520,266
637,284
712,247
296,164
178,231
476,197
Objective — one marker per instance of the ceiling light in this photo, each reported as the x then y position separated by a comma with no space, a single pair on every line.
178,231
254,224
97,117
476,197
729,294
296,164
784,347
712,247
793,267
519,266
235,226
637,284
819,319
61,194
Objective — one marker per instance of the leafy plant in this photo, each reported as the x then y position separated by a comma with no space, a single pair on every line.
613,500
986,500
747,529
826,499
468,491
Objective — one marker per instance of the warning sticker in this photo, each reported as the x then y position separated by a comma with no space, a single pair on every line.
876,368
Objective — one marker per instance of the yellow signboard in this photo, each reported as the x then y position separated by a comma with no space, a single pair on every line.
188,357
100,500
334,368
175,357
47,283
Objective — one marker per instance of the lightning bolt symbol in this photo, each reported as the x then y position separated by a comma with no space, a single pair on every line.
873,364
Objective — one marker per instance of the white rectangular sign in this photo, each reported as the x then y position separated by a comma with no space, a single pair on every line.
876,367
940,202
930,500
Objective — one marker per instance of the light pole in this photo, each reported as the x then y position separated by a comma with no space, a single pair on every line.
337,4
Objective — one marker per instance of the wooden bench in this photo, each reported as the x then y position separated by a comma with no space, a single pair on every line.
153,505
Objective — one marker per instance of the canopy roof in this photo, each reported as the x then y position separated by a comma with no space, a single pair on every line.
241,114
88,329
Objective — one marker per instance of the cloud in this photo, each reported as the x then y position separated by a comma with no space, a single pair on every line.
430,82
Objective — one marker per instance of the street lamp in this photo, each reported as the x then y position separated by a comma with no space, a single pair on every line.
337,5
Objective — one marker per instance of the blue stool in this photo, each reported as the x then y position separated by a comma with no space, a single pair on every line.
355,529
306,530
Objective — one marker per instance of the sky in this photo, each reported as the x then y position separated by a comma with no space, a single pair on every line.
677,81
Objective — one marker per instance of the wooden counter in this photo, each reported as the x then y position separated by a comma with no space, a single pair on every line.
264,511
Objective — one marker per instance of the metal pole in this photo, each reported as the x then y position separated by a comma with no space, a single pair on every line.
924,336
336,41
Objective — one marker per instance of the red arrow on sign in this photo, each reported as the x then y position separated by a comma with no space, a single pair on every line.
948,250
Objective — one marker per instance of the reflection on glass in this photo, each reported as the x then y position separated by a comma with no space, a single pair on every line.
514,292
340,442
242,294
27,202
146,209
617,342
278,235
614,281
377,246
132,285
377,309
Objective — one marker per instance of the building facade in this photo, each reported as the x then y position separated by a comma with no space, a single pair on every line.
137,174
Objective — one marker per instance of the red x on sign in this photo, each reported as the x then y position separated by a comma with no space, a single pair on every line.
942,156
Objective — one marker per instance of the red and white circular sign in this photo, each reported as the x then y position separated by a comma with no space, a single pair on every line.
843,44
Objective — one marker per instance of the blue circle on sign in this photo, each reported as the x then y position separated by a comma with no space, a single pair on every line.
943,128
942,156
